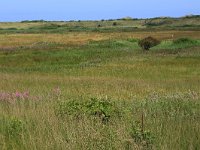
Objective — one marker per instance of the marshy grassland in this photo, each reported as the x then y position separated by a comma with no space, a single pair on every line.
98,90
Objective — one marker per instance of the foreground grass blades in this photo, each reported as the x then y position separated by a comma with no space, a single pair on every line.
157,122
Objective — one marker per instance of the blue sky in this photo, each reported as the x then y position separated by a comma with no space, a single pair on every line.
17,10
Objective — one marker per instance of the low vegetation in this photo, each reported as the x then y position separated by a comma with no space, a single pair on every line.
92,90
185,41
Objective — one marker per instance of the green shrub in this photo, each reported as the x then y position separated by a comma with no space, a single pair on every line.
73,108
148,42
11,127
184,41
98,108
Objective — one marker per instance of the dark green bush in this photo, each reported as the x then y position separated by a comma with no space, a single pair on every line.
148,42
99,26
114,23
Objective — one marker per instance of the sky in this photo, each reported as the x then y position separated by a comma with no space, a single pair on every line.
18,10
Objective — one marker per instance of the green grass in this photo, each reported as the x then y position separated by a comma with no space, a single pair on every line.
176,44
105,94
92,54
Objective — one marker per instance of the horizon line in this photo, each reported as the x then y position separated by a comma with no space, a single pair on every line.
111,19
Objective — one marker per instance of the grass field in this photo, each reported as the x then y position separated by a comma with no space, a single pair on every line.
93,90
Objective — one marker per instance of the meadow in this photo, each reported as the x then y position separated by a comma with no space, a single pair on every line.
98,89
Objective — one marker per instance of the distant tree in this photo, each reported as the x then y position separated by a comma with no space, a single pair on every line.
148,42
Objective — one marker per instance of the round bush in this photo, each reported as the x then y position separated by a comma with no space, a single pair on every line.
148,42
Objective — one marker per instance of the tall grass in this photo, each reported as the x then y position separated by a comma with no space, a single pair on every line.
102,94
169,122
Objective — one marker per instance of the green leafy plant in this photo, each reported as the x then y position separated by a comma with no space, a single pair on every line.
140,136
148,42
98,108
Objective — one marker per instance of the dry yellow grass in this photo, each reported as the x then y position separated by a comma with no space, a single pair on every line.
81,38
26,25
19,25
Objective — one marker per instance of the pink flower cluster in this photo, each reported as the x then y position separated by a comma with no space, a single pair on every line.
12,97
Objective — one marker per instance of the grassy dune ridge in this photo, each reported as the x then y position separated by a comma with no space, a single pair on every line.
111,25
91,90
